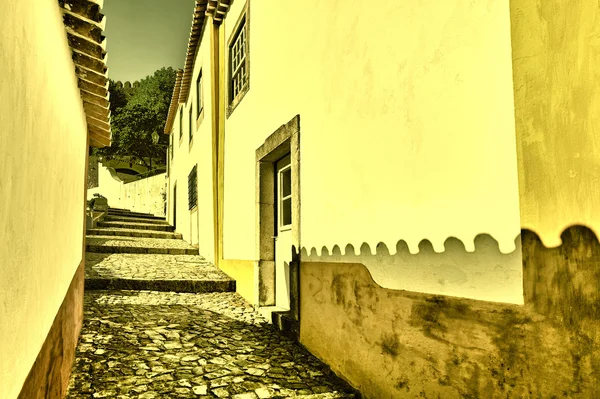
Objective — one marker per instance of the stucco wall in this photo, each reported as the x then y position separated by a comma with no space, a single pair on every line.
412,139
399,344
144,195
556,53
186,155
42,167
109,185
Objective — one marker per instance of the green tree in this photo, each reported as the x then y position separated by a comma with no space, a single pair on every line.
138,111
135,125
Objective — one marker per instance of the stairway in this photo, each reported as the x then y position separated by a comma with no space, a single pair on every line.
160,321
139,251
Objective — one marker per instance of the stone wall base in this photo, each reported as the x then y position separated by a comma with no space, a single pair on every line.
49,375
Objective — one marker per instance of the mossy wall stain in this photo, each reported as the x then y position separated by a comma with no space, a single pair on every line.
407,344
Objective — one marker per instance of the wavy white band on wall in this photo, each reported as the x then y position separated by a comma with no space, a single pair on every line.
483,273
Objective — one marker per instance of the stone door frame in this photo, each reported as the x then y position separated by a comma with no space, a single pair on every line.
285,140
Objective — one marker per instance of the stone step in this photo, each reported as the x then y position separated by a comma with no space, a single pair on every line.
329,395
129,219
190,286
170,273
134,245
108,231
135,214
137,226
118,209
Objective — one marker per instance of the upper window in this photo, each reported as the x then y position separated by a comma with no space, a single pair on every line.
238,62
191,122
193,188
180,123
199,103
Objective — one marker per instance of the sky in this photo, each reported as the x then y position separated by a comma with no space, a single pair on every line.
145,35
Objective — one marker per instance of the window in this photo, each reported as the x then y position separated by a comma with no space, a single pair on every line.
199,103
181,123
238,62
191,122
285,184
193,188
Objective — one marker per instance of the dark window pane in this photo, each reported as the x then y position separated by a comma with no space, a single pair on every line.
286,212
286,184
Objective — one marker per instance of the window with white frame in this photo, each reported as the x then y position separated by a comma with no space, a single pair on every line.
238,62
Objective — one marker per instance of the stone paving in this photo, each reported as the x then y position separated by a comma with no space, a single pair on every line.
118,244
165,345
137,226
137,342
115,231
132,219
179,273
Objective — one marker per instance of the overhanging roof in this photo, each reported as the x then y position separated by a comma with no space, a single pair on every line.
84,24
217,9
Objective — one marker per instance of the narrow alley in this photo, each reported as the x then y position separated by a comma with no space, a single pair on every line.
162,322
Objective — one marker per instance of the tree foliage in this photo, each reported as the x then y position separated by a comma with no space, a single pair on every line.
137,112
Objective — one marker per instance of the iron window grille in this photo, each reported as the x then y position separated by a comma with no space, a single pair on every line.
238,56
193,188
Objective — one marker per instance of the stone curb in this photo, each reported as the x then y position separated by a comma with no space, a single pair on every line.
130,219
137,226
115,249
189,286
137,233
136,215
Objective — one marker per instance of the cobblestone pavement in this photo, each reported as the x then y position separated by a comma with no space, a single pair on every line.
115,231
139,226
142,242
141,344
133,219
150,266
118,244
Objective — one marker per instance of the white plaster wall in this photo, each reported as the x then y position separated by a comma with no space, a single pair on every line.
196,227
109,185
42,167
407,125
145,195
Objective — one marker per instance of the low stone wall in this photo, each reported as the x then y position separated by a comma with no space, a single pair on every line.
145,195
397,344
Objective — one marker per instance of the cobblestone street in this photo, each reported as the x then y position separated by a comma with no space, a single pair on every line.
171,326
154,344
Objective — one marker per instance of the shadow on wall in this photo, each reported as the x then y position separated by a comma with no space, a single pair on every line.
485,274
406,344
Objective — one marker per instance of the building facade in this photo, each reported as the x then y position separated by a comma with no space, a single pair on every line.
54,106
380,172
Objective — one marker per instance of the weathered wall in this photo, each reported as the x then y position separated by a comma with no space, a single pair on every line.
50,374
109,185
145,195
93,172
42,167
453,272
199,151
399,344
556,53
413,139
